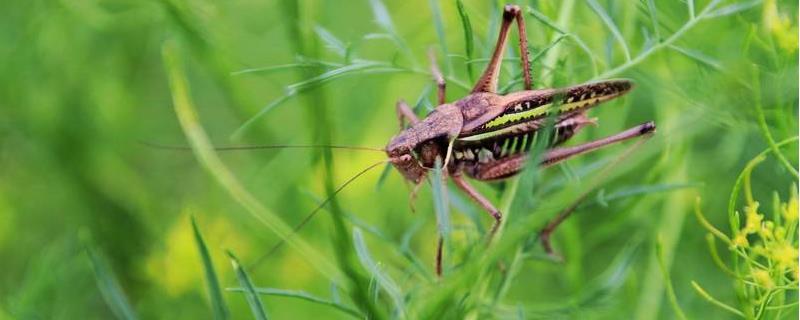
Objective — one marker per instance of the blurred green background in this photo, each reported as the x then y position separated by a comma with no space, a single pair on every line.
84,85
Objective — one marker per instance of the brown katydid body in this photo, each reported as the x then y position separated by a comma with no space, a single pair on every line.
488,136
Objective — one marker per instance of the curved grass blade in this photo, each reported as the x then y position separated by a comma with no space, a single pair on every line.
302,295
469,45
440,200
438,24
110,288
733,9
360,67
552,55
256,307
762,124
737,186
673,299
382,279
651,9
699,57
603,199
601,12
331,41
289,66
384,20
212,283
204,152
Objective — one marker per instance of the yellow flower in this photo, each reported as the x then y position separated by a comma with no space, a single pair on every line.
739,241
780,26
790,209
752,218
766,230
780,232
763,278
784,254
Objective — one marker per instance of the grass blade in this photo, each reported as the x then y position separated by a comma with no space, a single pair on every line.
673,299
212,283
302,295
109,287
438,24
651,8
384,20
282,67
601,12
440,200
469,46
256,307
603,199
383,279
204,152
732,9
331,41
552,55
361,66
699,57
762,124
382,16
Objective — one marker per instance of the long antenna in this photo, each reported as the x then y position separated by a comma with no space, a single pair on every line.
314,212
262,147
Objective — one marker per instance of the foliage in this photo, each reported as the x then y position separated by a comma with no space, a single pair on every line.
86,82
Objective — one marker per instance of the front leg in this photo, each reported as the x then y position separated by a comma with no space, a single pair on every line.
477,197
404,112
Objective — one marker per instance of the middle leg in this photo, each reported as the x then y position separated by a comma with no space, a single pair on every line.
438,77
488,80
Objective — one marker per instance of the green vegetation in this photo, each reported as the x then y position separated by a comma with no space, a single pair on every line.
99,220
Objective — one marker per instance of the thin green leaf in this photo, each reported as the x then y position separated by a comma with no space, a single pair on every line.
382,16
440,200
351,69
762,124
469,45
382,279
256,307
732,9
651,8
691,23
384,20
702,292
109,287
302,295
553,54
290,66
598,290
212,283
331,42
673,299
690,5
204,152
606,18
603,199
382,178
699,57
737,186
438,25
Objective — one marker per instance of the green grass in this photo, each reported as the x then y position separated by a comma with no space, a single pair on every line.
87,82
